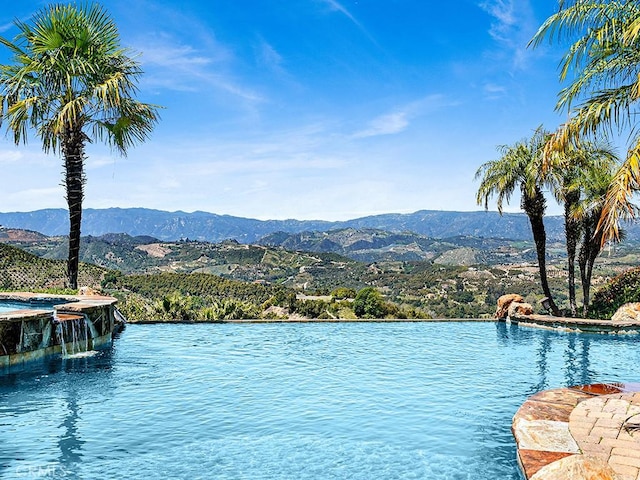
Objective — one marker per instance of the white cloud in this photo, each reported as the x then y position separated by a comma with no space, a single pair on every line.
336,6
269,57
34,199
388,124
400,119
10,156
182,57
5,27
173,66
513,26
26,155
504,13
270,61
96,161
197,62
305,149
493,91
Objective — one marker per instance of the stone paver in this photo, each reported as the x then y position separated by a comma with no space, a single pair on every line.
576,467
545,435
588,432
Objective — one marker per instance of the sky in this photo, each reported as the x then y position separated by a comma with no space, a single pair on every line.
309,109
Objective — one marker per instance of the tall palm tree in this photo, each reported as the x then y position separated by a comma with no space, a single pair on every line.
603,60
570,173
519,166
595,183
70,82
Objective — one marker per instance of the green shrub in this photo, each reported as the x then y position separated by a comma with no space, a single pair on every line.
341,293
622,289
311,308
369,304
462,296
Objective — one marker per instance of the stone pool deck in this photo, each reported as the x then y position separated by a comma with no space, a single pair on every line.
586,432
583,325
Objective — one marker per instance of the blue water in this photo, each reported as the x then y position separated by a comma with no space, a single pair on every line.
294,401
8,306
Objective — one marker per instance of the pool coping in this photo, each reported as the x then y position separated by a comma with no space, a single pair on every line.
580,432
317,320
68,303
572,324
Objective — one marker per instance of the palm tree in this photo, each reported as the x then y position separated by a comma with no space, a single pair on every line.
70,82
519,166
604,59
570,198
569,173
595,183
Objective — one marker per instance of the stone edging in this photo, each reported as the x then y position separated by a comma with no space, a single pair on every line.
575,324
586,432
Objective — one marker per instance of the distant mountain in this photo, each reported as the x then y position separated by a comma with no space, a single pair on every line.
372,245
443,224
167,226
171,226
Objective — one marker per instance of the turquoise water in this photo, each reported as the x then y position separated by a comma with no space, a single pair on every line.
294,401
7,306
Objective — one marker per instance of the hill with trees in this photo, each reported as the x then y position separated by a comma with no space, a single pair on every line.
158,280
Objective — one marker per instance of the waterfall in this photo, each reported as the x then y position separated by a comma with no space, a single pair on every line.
119,319
72,331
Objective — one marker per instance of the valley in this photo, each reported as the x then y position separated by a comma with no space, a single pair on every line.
454,277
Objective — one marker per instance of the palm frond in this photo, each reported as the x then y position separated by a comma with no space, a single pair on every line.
69,68
617,205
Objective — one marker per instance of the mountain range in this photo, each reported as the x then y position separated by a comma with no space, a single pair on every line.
210,227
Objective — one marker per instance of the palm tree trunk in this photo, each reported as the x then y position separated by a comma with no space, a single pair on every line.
73,153
534,207
583,258
589,251
596,248
571,265
572,232
585,284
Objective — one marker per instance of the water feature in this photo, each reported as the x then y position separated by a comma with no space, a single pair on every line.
295,401
73,334
36,327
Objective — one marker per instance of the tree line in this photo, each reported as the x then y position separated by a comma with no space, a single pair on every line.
577,162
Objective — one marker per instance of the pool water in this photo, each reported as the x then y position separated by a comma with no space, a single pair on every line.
7,306
295,401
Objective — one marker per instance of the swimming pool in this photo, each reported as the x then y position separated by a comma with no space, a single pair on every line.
9,306
295,401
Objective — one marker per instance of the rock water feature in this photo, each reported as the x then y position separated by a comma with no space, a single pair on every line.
74,325
73,333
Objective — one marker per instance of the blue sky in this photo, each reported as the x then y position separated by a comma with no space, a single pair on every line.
310,109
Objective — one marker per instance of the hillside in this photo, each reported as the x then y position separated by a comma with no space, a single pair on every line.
229,259
372,245
171,226
410,288
163,296
454,277
21,270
